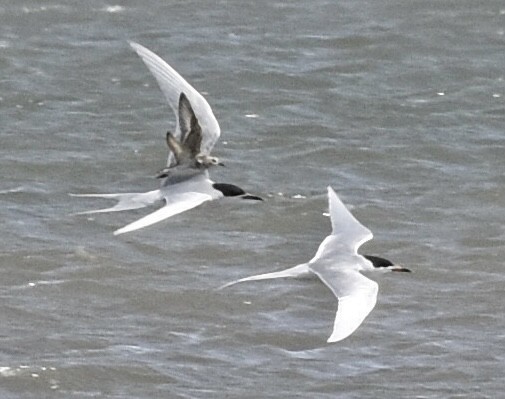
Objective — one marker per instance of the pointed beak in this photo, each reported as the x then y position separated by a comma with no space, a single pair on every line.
162,173
251,197
398,268
221,164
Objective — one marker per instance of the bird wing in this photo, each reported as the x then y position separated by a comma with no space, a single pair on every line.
357,296
349,231
175,204
337,264
172,85
191,132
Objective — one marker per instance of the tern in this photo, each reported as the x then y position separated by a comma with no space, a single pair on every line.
185,181
187,152
338,265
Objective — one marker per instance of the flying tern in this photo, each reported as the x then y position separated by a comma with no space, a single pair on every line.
185,181
338,265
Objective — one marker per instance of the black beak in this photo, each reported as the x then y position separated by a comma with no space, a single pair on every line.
162,174
400,269
252,197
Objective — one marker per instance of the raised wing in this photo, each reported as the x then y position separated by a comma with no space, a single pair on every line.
344,225
176,203
191,132
172,85
357,296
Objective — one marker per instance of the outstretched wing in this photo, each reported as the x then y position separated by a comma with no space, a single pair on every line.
172,85
337,264
175,204
357,296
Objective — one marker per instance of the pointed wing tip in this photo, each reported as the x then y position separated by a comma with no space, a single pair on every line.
334,337
334,200
134,45
339,334
332,195
138,48
126,229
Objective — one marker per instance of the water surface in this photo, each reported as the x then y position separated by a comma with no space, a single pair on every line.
397,105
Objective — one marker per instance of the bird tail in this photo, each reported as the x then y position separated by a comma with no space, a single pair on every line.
295,271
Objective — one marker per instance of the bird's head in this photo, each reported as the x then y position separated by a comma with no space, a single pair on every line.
206,161
386,264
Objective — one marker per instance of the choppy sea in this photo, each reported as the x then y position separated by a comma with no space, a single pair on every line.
399,106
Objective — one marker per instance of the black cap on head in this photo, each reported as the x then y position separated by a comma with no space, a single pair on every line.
230,190
378,261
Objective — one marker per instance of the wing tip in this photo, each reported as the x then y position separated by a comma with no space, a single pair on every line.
126,229
134,45
337,337
139,49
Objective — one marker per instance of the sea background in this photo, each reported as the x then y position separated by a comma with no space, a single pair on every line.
398,105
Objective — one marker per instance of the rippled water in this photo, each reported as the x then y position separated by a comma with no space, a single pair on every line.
398,105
